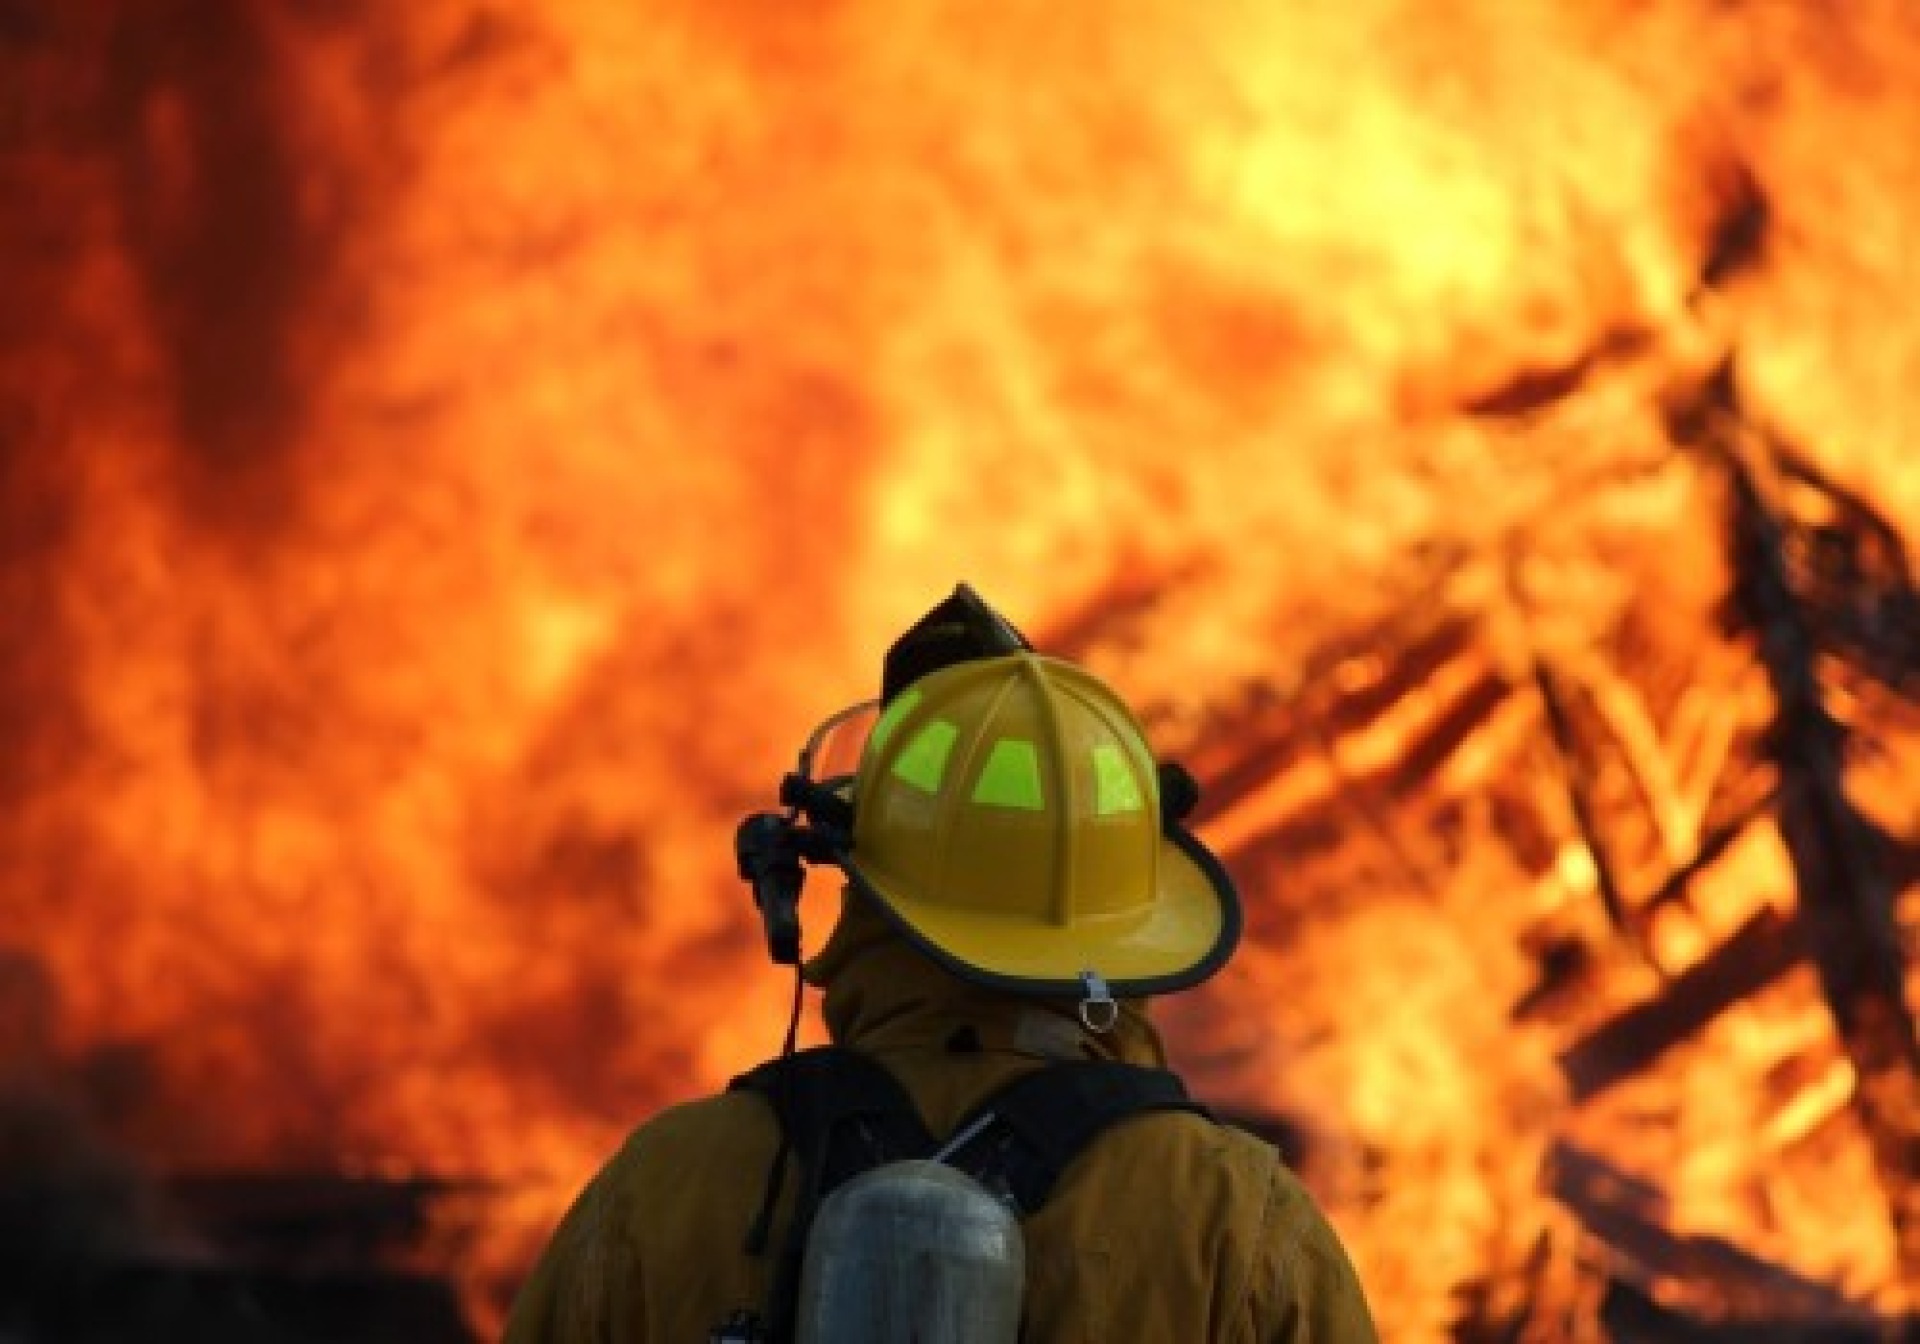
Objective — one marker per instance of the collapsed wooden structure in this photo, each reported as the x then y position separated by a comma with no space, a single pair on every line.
1444,714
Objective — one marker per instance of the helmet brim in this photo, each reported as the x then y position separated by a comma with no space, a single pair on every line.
1186,934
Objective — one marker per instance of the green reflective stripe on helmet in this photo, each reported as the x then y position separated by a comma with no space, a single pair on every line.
1116,788
901,707
1011,777
923,761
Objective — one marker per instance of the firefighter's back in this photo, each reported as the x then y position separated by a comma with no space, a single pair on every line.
1168,1227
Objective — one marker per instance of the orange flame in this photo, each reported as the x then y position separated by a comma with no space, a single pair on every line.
451,457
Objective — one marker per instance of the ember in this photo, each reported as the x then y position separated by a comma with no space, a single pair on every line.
449,455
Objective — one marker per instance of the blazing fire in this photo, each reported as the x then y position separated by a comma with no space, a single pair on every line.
449,456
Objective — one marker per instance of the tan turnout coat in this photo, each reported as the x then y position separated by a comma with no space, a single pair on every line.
1167,1228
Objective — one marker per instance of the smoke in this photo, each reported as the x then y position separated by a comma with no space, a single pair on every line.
72,1202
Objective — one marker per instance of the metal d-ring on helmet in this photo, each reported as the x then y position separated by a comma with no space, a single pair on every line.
1008,816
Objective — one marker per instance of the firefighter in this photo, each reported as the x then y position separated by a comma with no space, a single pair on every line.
993,1140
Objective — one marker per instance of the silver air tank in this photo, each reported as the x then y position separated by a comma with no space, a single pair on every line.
912,1251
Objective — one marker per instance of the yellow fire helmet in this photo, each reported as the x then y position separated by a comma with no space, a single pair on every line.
1007,815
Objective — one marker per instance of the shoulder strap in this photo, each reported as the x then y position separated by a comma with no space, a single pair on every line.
840,1111
1030,1131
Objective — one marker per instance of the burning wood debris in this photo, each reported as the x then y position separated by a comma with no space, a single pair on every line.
450,454
1675,876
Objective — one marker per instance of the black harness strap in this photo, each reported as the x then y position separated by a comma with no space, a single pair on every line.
841,1111
1043,1121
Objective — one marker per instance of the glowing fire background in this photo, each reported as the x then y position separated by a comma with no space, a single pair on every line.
451,453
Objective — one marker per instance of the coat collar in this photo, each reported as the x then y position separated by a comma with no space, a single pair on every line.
884,995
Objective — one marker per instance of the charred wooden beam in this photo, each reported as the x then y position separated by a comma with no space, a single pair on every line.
1759,952
1853,569
1715,843
1266,734
1569,965
1629,1216
1531,390
1630,1315
1585,814
1306,779
1846,912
